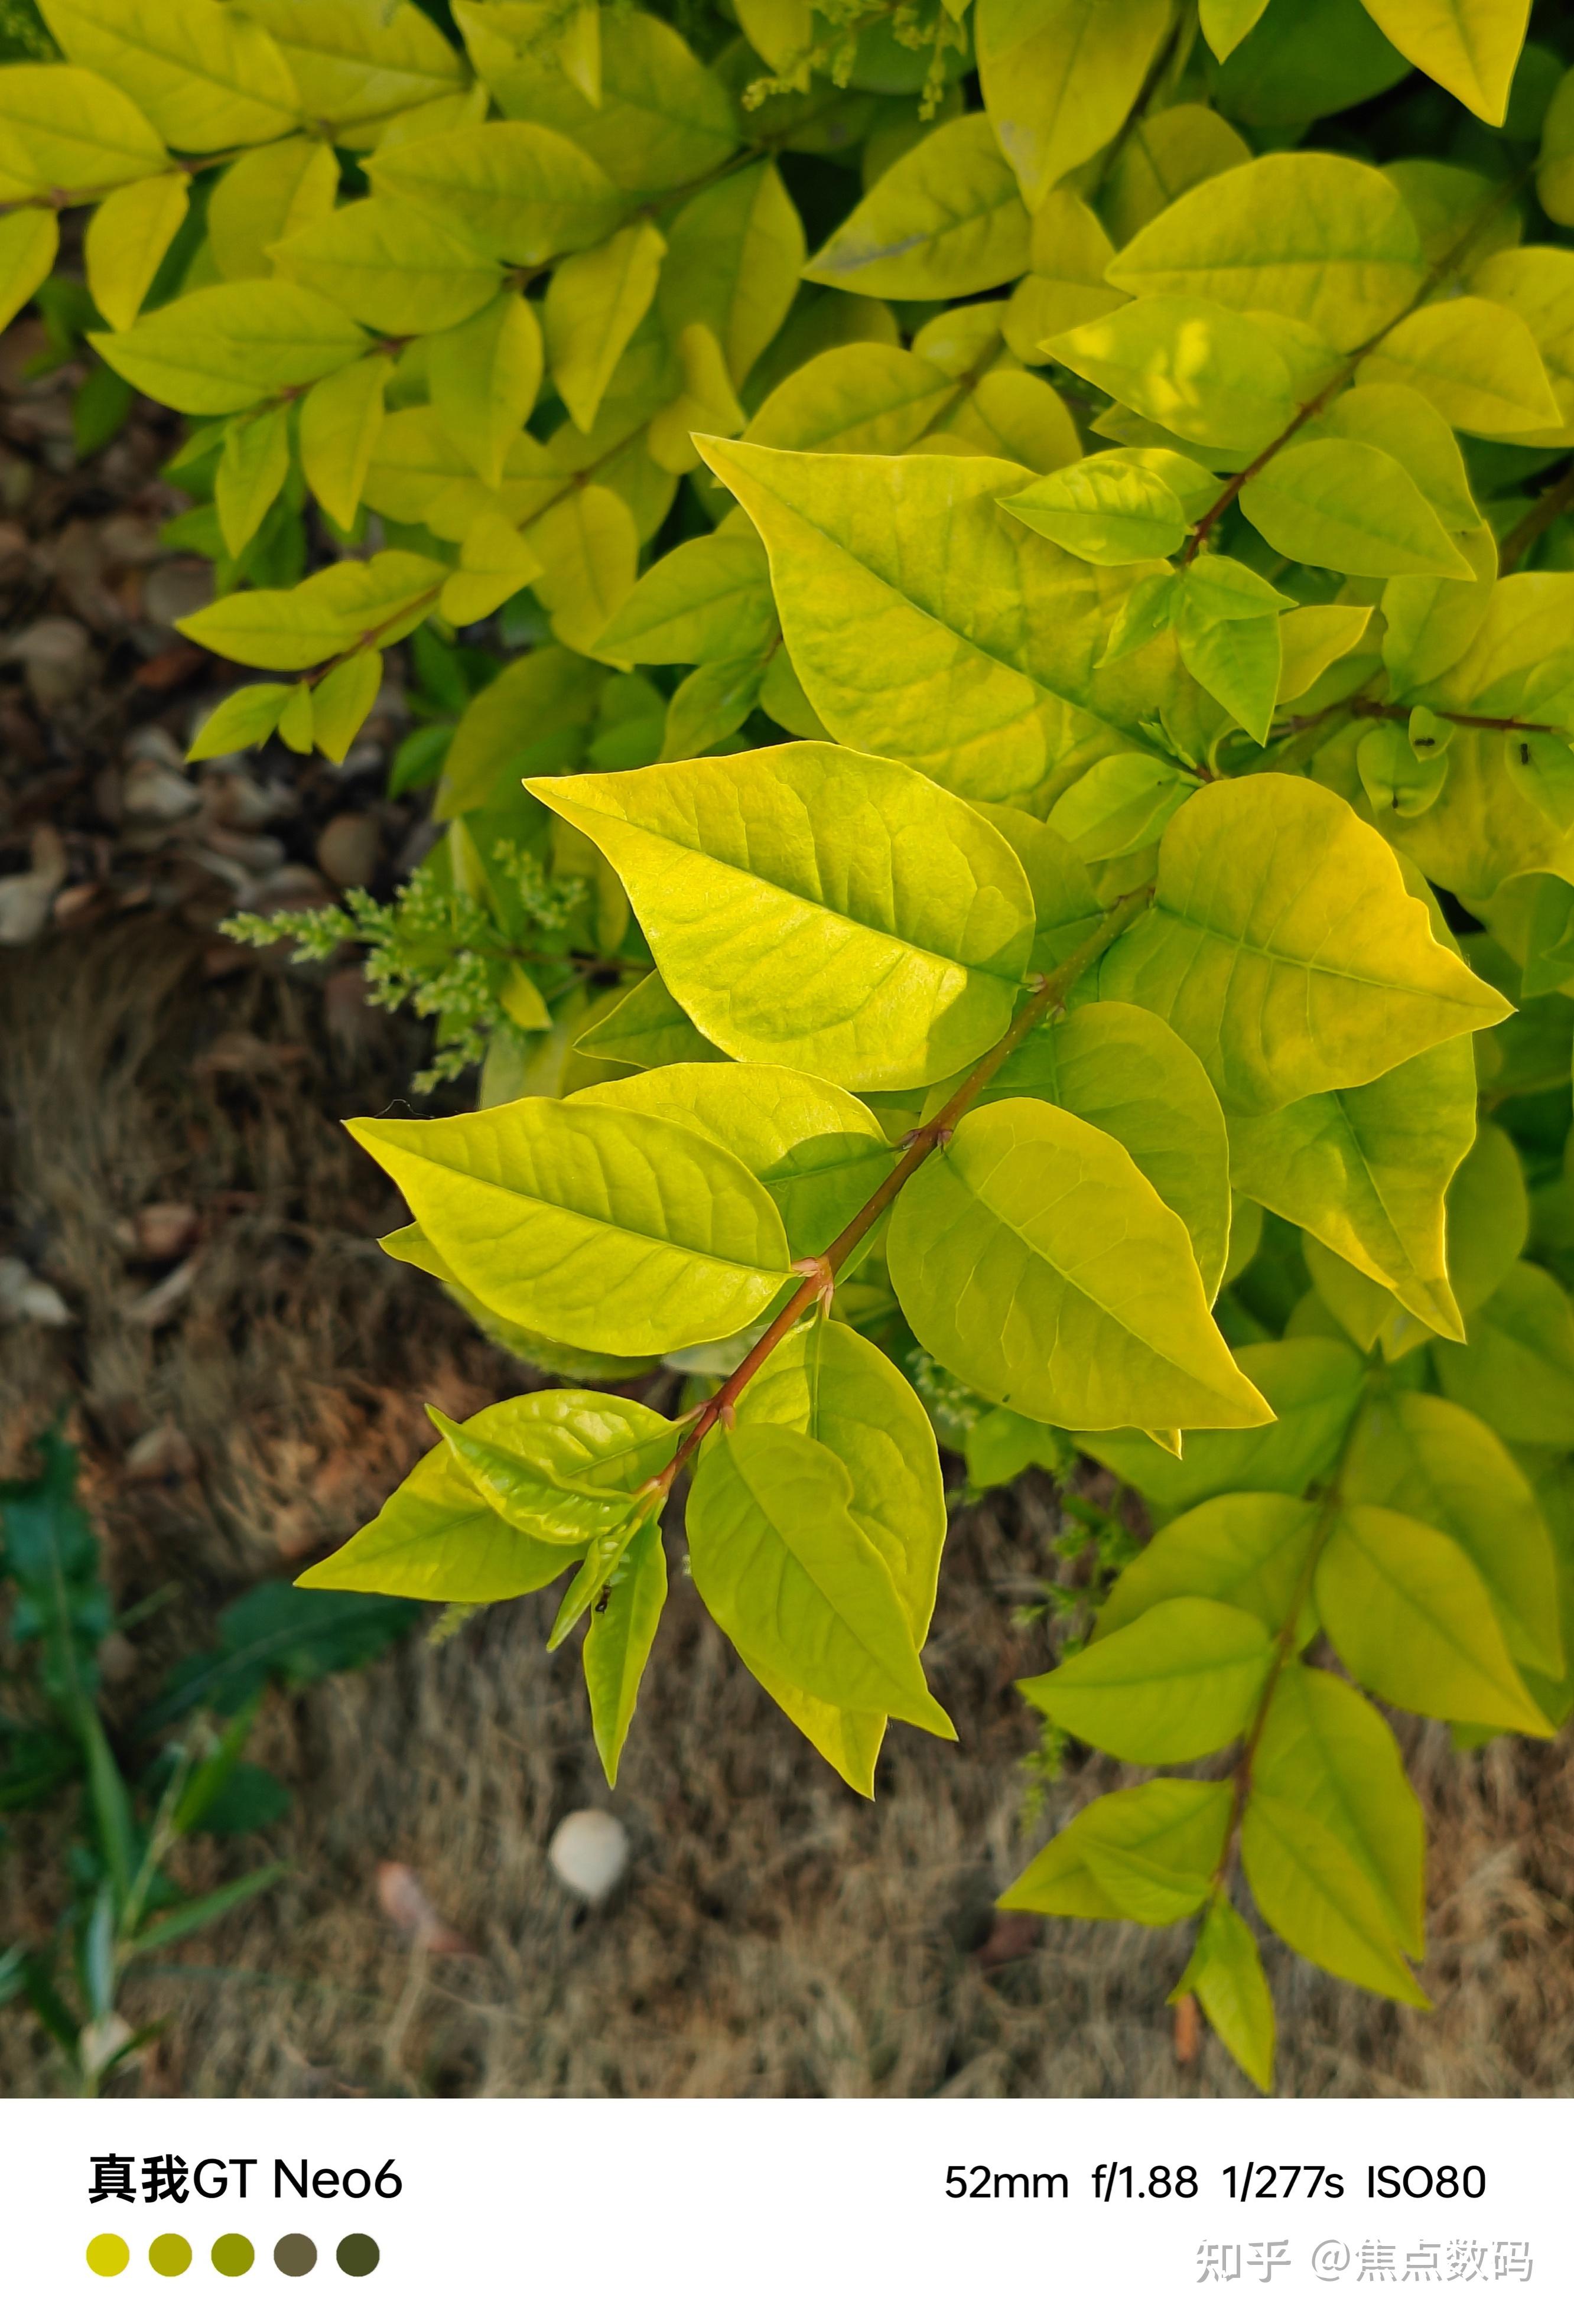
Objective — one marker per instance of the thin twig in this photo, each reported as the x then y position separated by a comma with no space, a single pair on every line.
820,1274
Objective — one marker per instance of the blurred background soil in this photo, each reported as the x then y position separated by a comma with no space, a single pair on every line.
189,1267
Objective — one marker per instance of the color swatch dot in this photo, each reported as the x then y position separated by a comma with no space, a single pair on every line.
294,2254
233,2255
108,2254
359,2255
169,2254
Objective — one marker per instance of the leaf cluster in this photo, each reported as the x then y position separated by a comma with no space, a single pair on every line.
1029,856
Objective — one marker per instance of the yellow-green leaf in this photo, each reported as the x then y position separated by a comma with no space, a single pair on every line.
127,236
944,221
204,75
587,549
1516,1370
663,119
1365,1171
733,252
389,264
245,717
1179,1681
817,1151
1249,1550
358,62
1410,1619
1163,157
1178,1829
1351,507
341,419
1198,369
1279,915
1470,46
222,348
266,196
1125,1072
617,1644
787,1572
29,240
1035,1260
1318,238
495,563
812,907
254,464
1437,1462
1474,360
990,636
345,605
484,373
436,1538
63,126
1226,1969
517,190
1325,1751
606,1230
854,399
595,302
341,702
1060,76
1313,1892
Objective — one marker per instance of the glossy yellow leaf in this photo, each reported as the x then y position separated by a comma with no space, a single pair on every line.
1278,916
1313,636
854,399
1314,1893
1177,1829
341,702
989,636
608,1231
266,196
944,221
787,1572
205,76
706,404
1538,283
1176,1682
1032,1257
1010,415
810,907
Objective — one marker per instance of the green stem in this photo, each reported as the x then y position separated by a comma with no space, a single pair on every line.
1556,501
1284,1643
820,1274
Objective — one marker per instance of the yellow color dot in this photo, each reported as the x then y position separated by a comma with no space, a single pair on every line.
108,2254
169,2254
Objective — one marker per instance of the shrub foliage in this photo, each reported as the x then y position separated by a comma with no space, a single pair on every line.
1018,521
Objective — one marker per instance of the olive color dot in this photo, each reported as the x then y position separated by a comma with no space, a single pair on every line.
359,2255
294,2254
108,2254
233,2255
169,2254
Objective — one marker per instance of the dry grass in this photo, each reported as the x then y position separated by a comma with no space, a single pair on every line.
775,1936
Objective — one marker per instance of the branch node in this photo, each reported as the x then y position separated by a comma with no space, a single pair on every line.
822,1275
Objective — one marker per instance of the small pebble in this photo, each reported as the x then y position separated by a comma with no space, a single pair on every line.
589,1853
